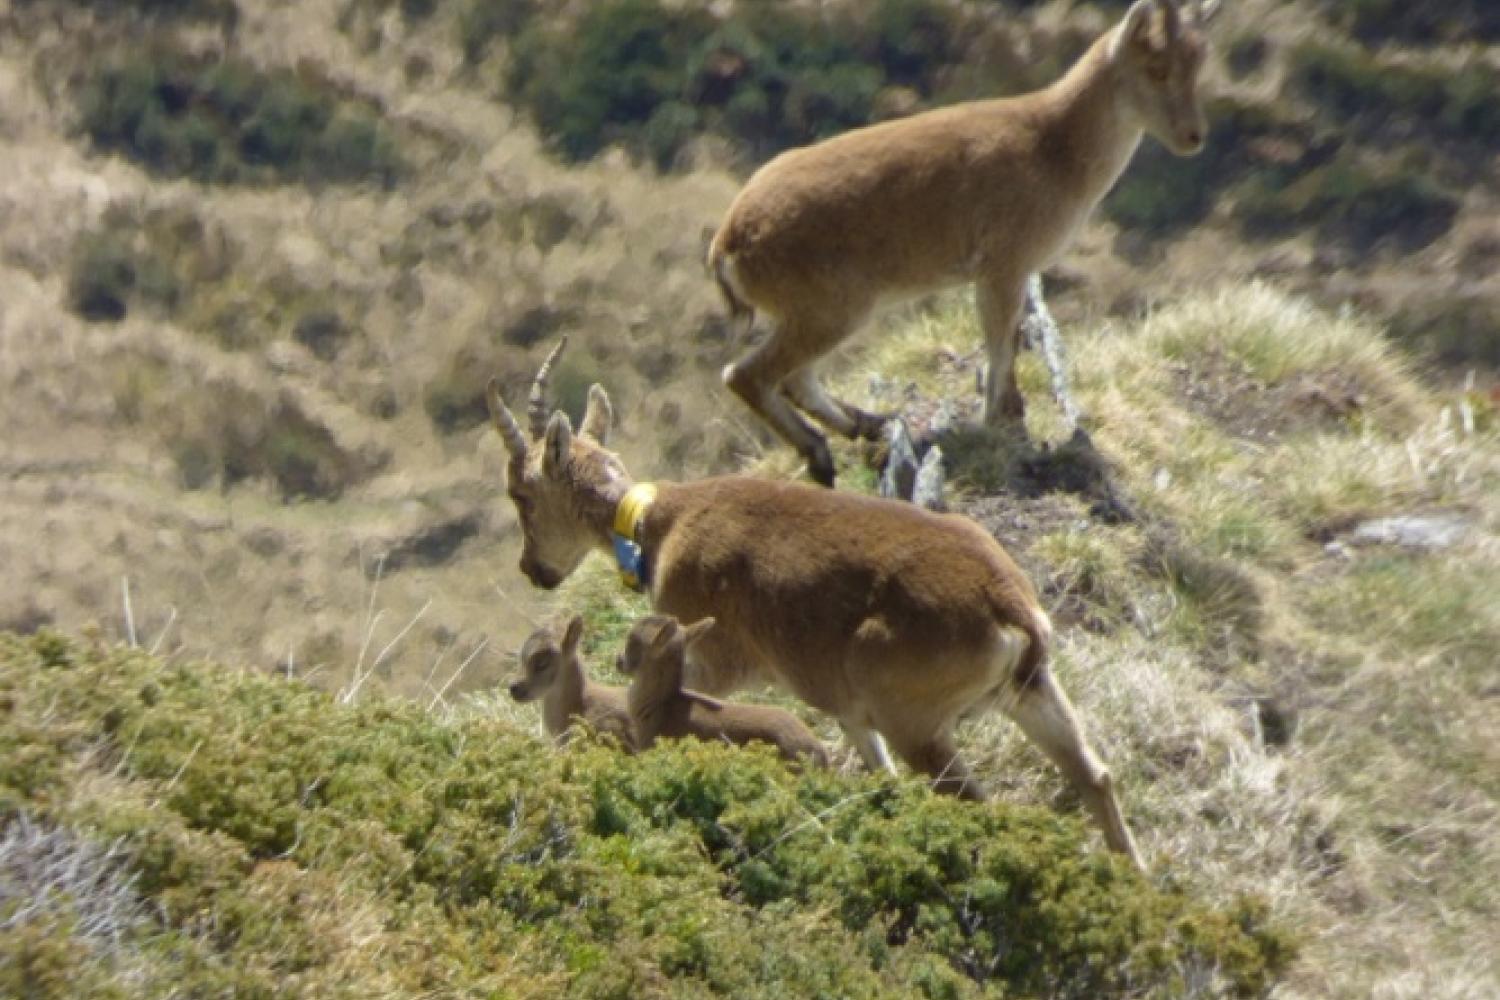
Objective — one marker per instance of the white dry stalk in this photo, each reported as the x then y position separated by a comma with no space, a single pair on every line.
461,668
162,635
129,613
352,691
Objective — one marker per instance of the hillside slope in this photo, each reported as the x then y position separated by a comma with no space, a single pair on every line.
170,830
1273,582
258,259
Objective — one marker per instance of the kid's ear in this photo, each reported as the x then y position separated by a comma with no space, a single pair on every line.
572,634
559,443
696,631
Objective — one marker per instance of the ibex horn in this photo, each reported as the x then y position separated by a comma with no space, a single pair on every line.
510,431
1171,21
537,410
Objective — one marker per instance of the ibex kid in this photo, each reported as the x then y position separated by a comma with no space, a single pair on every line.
654,656
553,671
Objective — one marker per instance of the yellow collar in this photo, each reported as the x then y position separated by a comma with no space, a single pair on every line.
632,510
625,538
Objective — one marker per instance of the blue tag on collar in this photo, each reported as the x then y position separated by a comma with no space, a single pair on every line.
628,559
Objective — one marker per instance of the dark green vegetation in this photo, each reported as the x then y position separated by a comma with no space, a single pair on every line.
228,122
109,273
281,842
1161,194
653,76
1383,98
1347,201
1455,21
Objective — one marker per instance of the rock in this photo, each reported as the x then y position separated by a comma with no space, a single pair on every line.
900,473
1429,532
927,491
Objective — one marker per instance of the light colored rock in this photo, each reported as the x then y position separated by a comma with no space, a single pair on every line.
1433,531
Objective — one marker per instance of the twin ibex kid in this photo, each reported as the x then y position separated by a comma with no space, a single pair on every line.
655,653
553,671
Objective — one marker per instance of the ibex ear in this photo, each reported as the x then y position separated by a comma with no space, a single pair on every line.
572,634
1134,28
598,416
559,443
696,631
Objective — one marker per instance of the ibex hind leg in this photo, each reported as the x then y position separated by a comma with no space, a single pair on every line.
999,301
1045,715
807,392
757,379
938,758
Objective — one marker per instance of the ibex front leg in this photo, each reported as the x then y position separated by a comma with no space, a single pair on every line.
999,300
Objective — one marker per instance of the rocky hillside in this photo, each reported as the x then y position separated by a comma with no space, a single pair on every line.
1272,573
257,260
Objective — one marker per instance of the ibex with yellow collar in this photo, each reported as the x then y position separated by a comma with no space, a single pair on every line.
986,192
895,620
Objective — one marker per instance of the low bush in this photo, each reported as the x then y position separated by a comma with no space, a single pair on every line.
1456,332
226,122
225,12
1456,21
1353,86
110,273
482,22
652,76
283,841
1349,202
1161,193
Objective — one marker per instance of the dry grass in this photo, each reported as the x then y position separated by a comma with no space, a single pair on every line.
1287,712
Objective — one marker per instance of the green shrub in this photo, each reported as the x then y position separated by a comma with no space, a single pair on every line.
1455,21
226,122
586,83
1349,202
321,330
109,274
282,841
1457,332
651,76
226,12
1376,95
483,21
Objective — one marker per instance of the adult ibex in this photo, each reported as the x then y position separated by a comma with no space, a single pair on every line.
893,619
655,654
984,192
552,670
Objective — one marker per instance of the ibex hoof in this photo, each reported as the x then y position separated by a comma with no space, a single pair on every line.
869,426
820,466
